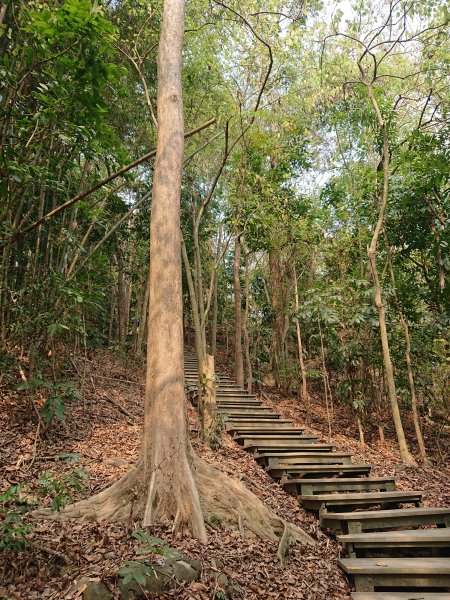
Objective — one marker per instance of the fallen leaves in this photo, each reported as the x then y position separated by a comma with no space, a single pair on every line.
105,443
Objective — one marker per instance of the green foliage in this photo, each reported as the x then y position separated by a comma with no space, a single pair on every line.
152,547
60,487
58,396
77,39
216,521
215,437
149,544
136,570
14,505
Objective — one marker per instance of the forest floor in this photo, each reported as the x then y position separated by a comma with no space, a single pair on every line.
106,441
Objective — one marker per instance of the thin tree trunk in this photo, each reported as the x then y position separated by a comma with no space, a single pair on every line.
121,296
213,339
325,382
209,400
305,395
143,317
248,361
360,430
372,255
199,347
412,386
206,376
238,354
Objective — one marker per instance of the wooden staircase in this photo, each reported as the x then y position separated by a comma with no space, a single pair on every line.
390,556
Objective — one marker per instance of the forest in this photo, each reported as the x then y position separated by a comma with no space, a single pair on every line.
224,299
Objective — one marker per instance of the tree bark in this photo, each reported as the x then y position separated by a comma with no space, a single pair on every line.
121,295
169,483
248,360
172,492
304,396
238,354
412,386
279,299
405,454
326,387
143,316
213,337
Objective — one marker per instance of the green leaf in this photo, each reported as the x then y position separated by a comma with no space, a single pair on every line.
140,577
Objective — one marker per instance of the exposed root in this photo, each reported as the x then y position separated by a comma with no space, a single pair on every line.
172,496
284,543
223,498
220,496
114,503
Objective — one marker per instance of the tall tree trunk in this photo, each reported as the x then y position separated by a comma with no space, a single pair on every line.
164,484
207,405
213,338
305,396
172,492
326,387
406,456
248,361
121,295
279,299
412,386
143,317
238,354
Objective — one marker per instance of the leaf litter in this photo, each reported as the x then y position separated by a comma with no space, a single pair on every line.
104,441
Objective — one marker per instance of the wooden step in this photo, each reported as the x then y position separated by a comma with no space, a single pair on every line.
272,424
286,470
224,401
336,484
233,394
400,596
285,433
323,458
264,430
228,389
276,443
397,572
391,540
272,458
392,499
340,458
254,410
247,439
235,405
354,470
236,415
368,520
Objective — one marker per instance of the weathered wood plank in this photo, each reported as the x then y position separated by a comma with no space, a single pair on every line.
335,484
399,572
357,522
275,424
374,566
263,429
288,439
353,469
272,458
276,443
400,596
316,501
390,541
286,470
